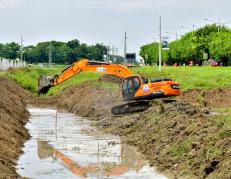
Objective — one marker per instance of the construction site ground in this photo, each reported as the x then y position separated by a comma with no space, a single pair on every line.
186,138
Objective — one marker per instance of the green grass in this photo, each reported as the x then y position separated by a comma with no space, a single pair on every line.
191,77
76,80
223,119
106,85
28,78
188,77
181,149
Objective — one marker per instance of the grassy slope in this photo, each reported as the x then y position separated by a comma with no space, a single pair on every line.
188,77
191,77
28,78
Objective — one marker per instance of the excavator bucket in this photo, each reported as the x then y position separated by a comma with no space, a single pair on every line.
44,84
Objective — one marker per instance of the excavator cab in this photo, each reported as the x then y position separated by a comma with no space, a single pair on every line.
130,86
136,88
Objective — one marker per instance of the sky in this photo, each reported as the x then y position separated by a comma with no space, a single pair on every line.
105,21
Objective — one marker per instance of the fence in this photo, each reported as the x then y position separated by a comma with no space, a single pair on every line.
5,64
46,65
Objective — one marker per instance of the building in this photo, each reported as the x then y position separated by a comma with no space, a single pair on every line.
131,58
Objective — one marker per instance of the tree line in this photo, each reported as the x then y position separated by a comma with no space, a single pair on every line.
208,42
61,52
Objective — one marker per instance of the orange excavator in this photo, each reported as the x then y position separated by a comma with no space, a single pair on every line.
133,87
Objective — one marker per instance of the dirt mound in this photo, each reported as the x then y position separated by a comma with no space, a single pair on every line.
13,117
89,101
211,98
180,138
110,78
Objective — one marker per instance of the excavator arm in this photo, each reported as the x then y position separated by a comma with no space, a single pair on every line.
84,65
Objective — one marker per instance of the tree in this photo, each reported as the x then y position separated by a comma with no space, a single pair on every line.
192,46
150,53
73,43
220,47
61,52
10,50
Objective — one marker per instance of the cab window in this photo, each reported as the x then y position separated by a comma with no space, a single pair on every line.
130,86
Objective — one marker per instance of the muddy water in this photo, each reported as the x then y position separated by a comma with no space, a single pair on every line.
64,145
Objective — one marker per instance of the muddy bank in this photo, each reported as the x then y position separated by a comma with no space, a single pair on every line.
211,98
180,138
13,117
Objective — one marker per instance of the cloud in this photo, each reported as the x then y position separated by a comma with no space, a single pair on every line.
10,3
129,5
6,3
104,20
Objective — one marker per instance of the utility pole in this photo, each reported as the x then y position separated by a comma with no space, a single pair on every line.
116,54
193,27
108,53
113,51
50,49
21,49
125,49
116,51
160,48
176,35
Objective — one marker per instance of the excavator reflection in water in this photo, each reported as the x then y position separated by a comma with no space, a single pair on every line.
130,160
134,88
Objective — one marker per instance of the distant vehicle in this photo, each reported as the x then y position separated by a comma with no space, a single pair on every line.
191,63
213,63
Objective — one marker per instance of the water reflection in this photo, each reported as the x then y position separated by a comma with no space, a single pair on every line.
130,160
66,146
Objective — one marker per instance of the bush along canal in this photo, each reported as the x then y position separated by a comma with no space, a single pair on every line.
64,145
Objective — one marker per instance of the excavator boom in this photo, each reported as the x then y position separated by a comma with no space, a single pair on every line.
84,65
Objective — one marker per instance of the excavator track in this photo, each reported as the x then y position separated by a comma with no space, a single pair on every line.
131,107
135,106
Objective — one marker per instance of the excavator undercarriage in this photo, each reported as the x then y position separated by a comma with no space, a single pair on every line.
130,107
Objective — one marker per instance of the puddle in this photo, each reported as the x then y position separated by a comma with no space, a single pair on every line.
64,145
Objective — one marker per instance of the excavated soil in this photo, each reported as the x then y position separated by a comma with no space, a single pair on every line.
13,117
110,78
211,98
182,139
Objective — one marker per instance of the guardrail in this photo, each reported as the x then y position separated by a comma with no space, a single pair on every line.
6,64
